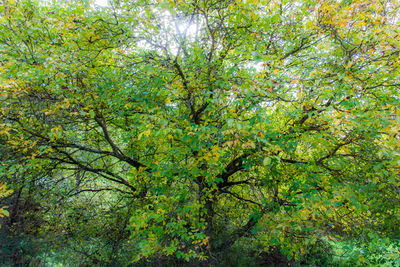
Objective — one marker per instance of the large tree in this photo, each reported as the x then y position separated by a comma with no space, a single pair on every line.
272,122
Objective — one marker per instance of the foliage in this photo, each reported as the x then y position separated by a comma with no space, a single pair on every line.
201,125
379,252
3,193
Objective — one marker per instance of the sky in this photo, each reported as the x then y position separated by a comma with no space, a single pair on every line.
101,2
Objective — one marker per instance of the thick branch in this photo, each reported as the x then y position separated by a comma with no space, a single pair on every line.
233,167
102,172
245,229
116,151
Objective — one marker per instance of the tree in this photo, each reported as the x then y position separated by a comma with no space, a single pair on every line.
223,121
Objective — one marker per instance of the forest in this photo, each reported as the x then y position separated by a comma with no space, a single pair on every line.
199,133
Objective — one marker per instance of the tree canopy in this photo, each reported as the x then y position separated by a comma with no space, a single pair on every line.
180,129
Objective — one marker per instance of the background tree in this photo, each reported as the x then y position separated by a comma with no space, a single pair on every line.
217,123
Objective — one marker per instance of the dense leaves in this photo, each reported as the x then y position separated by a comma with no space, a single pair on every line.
201,126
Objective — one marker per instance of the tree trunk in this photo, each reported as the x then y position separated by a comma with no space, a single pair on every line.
209,230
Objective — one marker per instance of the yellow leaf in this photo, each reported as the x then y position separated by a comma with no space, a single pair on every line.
331,238
361,259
